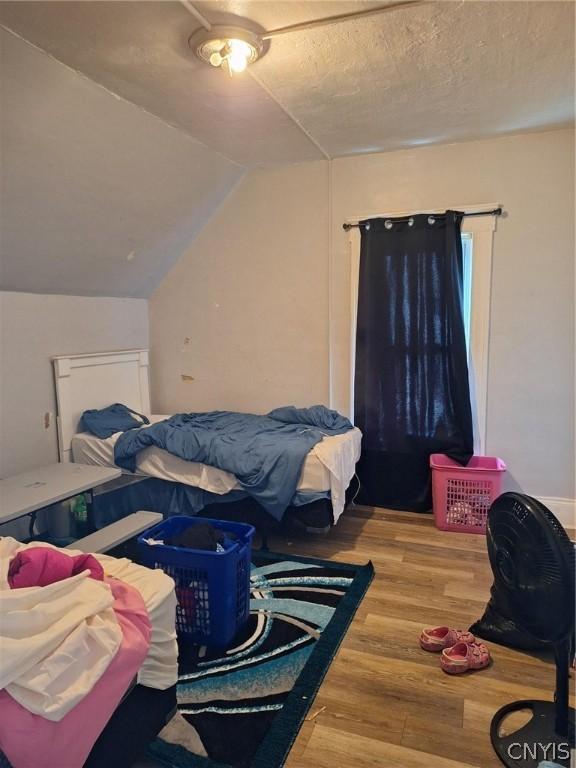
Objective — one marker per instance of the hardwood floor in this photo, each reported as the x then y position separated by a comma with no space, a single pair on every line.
385,702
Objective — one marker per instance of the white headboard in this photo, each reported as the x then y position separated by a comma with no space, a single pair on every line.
95,381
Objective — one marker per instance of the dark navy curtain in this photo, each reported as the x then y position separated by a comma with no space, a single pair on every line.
411,391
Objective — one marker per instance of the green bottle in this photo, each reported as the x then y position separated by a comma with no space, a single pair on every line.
80,515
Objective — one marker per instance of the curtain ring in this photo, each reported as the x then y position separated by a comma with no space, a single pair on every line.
410,222
388,224
431,220
367,226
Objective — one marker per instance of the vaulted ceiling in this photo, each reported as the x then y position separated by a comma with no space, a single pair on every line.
437,72
102,194
99,198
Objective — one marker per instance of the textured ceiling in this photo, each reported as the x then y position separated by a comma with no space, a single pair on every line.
446,71
437,73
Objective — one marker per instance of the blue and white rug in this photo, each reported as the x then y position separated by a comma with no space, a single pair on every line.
243,708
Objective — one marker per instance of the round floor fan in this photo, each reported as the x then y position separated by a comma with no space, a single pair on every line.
533,563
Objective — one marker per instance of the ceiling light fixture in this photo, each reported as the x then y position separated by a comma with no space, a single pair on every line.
231,48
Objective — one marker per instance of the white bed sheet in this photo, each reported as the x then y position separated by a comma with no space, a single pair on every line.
329,466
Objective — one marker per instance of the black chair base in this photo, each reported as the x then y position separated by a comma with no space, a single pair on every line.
535,741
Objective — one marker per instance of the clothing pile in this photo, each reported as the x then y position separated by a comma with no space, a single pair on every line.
76,631
199,536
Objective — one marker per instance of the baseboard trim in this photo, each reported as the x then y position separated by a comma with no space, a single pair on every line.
564,509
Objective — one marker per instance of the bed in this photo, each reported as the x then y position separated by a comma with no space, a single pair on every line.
95,380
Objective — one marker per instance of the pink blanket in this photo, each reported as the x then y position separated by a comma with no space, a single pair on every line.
40,566
29,741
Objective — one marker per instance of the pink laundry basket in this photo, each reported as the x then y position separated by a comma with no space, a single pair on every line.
462,495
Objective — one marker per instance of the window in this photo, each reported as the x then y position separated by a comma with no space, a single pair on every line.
467,263
477,233
477,236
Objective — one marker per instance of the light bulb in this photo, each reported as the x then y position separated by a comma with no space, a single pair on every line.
237,62
231,48
240,47
216,59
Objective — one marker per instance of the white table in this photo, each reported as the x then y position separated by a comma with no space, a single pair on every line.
22,494
25,494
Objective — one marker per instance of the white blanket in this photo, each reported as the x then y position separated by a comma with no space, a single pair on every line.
339,455
55,641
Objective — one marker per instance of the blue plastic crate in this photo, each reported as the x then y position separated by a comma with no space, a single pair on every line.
213,588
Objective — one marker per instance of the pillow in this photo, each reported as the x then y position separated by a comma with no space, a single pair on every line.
114,418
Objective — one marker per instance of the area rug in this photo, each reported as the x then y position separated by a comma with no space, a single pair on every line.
243,708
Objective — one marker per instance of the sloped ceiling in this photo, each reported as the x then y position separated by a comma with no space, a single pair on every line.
140,51
101,195
99,198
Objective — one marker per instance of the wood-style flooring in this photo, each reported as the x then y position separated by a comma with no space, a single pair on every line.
384,702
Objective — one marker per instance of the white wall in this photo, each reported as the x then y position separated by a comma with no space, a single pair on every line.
245,311
33,328
531,356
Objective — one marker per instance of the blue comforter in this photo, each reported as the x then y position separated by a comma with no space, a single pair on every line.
266,453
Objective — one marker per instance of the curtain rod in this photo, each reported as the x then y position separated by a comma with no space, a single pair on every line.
494,212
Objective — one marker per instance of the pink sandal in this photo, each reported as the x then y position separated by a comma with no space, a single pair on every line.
438,638
462,657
